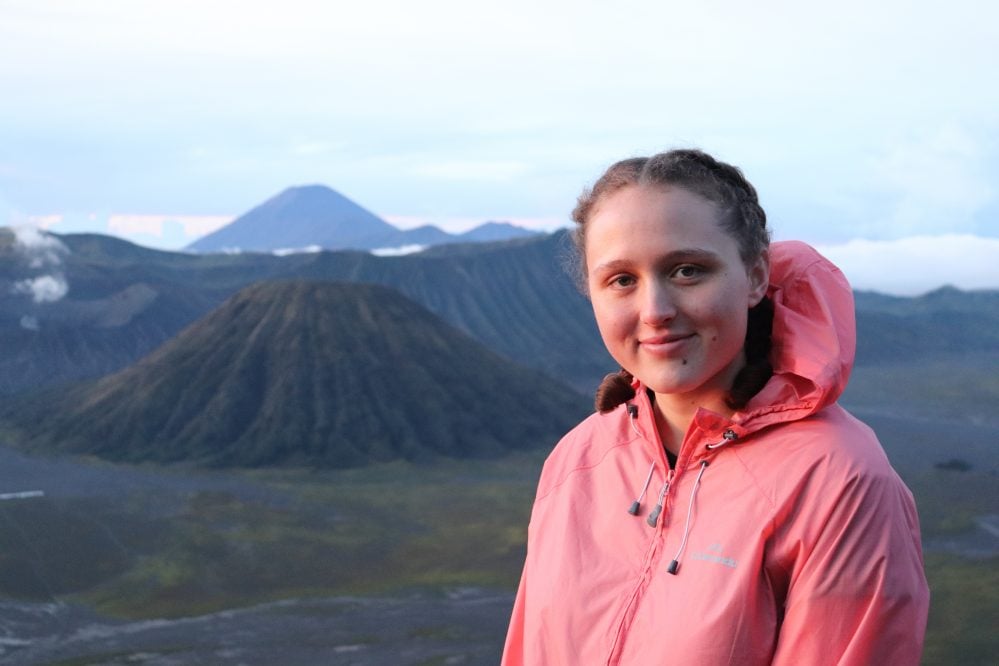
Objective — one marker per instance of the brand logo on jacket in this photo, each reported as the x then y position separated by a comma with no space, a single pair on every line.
714,554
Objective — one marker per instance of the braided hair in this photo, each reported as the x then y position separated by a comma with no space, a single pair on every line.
741,216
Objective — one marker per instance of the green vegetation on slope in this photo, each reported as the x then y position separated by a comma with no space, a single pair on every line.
306,373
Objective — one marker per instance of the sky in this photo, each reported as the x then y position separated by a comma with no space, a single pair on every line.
870,129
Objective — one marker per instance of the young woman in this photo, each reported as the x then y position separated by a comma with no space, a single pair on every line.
721,507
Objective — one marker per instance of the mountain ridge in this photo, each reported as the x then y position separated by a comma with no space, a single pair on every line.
513,296
307,216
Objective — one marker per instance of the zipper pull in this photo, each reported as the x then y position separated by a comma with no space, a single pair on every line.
654,516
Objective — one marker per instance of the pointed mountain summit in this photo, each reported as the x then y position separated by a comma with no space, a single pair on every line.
304,373
315,216
296,218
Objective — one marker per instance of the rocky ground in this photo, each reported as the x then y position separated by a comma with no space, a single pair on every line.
464,627
459,625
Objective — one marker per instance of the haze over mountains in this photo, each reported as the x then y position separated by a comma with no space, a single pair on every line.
514,298
315,216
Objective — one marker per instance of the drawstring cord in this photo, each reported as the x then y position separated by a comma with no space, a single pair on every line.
675,564
637,504
729,436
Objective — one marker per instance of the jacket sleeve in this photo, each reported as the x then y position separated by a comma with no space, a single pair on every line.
513,651
857,591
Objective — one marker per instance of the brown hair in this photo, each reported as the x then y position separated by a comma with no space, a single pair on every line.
741,216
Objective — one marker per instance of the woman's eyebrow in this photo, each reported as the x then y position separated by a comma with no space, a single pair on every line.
676,256
611,266
690,254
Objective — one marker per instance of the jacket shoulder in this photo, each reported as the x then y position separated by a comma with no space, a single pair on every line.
586,447
839,441
827,450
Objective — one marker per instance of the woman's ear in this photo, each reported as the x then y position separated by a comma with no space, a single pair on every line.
759,278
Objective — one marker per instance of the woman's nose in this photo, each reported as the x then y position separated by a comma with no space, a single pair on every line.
658,305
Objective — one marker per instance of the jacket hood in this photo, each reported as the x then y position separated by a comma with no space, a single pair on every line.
814,336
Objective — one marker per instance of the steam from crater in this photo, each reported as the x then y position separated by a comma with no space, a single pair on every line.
42,254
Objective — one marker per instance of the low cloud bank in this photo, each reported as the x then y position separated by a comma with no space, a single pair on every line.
398,251
918,264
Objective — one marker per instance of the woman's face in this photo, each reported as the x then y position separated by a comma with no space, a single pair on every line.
669,290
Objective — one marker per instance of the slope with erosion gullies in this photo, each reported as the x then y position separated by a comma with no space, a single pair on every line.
304,373
513,296
946,322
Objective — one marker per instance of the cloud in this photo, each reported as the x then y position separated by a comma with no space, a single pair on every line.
286,251
42,252
307,148
156,225
915,265
45,221
539,223
398,251
37,247
939,179
477,170
43,289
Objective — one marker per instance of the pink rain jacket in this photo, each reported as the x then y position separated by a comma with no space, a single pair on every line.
792,539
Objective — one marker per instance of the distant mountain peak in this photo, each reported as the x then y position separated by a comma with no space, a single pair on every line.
317,215
299,216
316,191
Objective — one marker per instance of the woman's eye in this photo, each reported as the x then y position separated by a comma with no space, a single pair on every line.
688,272
623,281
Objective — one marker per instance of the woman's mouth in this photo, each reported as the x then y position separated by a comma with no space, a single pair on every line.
666,345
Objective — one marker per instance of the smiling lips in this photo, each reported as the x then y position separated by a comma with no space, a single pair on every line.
666,345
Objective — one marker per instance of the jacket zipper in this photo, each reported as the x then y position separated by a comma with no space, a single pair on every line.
648,569
653,518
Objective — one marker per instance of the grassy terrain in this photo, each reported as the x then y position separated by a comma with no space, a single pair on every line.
949,501
964,592
964,611
356,532
279,534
